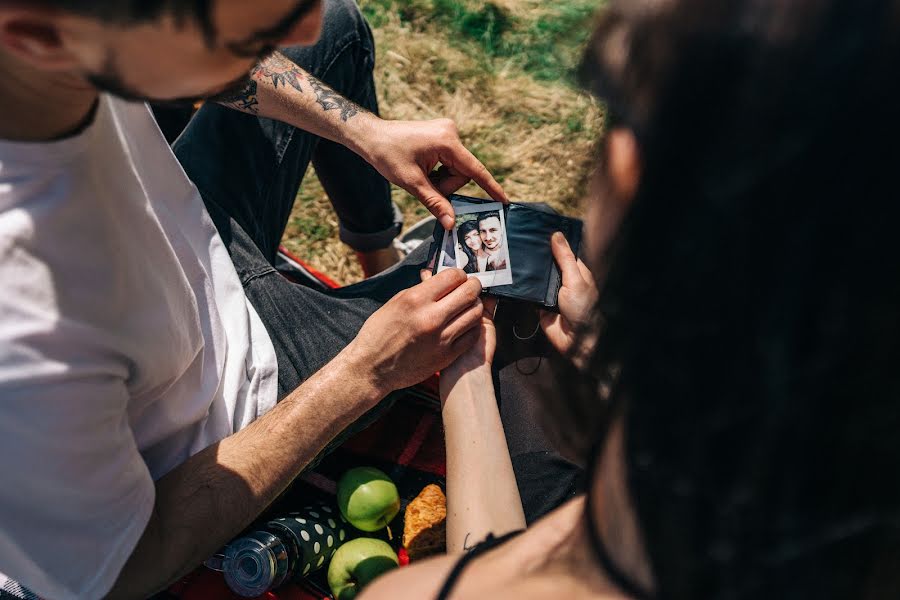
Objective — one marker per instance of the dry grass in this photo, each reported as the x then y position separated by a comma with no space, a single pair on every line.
533,130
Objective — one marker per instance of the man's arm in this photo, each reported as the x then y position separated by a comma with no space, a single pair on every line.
404,152
204,502
279,89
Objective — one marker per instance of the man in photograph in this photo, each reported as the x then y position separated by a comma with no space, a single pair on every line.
161,382
491,231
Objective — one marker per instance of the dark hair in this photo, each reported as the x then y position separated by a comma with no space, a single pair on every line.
461,232
751,309
133,11
200,11
493,214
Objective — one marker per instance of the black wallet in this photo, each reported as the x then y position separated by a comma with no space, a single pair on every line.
536,277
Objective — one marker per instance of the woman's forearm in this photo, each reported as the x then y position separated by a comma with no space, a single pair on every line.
482,495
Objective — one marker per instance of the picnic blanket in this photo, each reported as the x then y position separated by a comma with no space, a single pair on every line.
407,443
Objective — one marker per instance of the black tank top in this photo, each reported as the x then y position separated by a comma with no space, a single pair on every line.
489,543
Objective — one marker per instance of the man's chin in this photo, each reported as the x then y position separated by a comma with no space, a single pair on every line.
113,86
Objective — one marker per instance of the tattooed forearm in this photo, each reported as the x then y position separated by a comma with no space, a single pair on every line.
242,97
329,99
279,70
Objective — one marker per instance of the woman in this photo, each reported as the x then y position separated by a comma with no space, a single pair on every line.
471,246
740,408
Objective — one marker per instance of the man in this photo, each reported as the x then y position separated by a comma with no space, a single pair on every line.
491,233
161,384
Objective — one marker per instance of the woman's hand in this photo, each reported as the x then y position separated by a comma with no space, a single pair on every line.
577,298
481,354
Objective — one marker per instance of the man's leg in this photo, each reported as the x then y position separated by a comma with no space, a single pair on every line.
248,170
252,167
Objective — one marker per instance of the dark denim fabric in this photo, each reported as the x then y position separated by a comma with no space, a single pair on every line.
252,167
248,171
249,196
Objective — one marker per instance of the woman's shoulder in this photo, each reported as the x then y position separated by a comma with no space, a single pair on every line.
498,568
427,578
420,581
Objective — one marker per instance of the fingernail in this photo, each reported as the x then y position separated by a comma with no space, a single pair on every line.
447,222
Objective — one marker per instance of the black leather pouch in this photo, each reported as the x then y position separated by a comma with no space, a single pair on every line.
536,277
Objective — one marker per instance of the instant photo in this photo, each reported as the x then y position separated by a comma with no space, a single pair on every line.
526,227
478,244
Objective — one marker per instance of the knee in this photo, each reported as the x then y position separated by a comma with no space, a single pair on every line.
344,23
344,55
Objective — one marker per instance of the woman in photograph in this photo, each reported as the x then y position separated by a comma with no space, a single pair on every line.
729,372
471,246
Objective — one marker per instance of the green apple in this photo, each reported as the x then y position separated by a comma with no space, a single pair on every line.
367,498
356,564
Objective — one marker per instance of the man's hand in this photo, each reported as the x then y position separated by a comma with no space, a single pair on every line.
419,331
407,152
481,354
577,298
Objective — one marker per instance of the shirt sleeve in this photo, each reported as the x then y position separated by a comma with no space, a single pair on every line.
75,493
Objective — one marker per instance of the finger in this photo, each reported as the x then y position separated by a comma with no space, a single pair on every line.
464,342
424,274
568,303
568,265
585,272
446,181
557,331
442,284
548,320
433,200
460,298
462,162
463,322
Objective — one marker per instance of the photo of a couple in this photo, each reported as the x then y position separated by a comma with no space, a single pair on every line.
478,244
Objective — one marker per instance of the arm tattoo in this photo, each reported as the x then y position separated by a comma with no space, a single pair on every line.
466,546
329,99
241,98
279,70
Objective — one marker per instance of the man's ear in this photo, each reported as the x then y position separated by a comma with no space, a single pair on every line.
34,36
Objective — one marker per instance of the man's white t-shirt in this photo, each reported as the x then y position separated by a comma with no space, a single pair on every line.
127,344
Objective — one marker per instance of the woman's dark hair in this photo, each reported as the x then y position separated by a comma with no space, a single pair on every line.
461,232
751,308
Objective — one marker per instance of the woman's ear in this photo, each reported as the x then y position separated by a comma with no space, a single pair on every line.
34,36
613,189
623,163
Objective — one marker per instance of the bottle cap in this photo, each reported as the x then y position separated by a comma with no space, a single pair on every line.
254,564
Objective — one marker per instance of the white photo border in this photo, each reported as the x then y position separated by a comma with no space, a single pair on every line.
488,279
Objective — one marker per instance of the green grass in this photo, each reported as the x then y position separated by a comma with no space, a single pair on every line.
544,44
503,70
